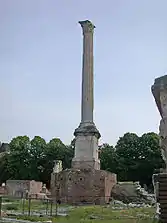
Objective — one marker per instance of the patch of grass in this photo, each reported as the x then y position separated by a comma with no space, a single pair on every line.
33,218
97,214
35,205
10,200
11,207
86,214
38,205
7,200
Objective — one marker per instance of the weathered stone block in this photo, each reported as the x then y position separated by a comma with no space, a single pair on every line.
86,147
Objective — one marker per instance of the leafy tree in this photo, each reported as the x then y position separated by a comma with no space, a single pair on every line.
68,156
19,158
34,159
38,146
55,150
149,157
138,157
37,150
108,158
126,149
25,158
4,173
134,158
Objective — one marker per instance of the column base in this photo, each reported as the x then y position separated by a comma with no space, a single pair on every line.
87,129
86,147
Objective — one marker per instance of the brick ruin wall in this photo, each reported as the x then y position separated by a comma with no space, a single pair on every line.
18,188
85,185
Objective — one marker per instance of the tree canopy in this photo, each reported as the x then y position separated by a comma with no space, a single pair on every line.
133,158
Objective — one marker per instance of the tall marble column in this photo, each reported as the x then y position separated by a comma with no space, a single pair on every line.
87,72
87,135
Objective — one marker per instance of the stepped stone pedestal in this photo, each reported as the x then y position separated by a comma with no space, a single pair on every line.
86,147
85,182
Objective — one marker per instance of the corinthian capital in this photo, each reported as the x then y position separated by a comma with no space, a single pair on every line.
87,26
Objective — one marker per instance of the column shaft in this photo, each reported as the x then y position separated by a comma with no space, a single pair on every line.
87,73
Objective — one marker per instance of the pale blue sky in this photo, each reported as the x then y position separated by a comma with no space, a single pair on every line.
41,58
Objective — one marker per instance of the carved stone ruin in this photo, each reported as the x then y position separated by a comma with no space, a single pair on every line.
159,91
85,182
58,167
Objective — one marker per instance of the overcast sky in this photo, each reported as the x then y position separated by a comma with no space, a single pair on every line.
41,63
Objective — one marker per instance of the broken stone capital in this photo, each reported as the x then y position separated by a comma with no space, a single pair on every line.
87,26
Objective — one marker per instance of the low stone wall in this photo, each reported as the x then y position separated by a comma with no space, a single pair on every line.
18,188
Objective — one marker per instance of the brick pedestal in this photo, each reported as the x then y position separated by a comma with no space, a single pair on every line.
82,185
